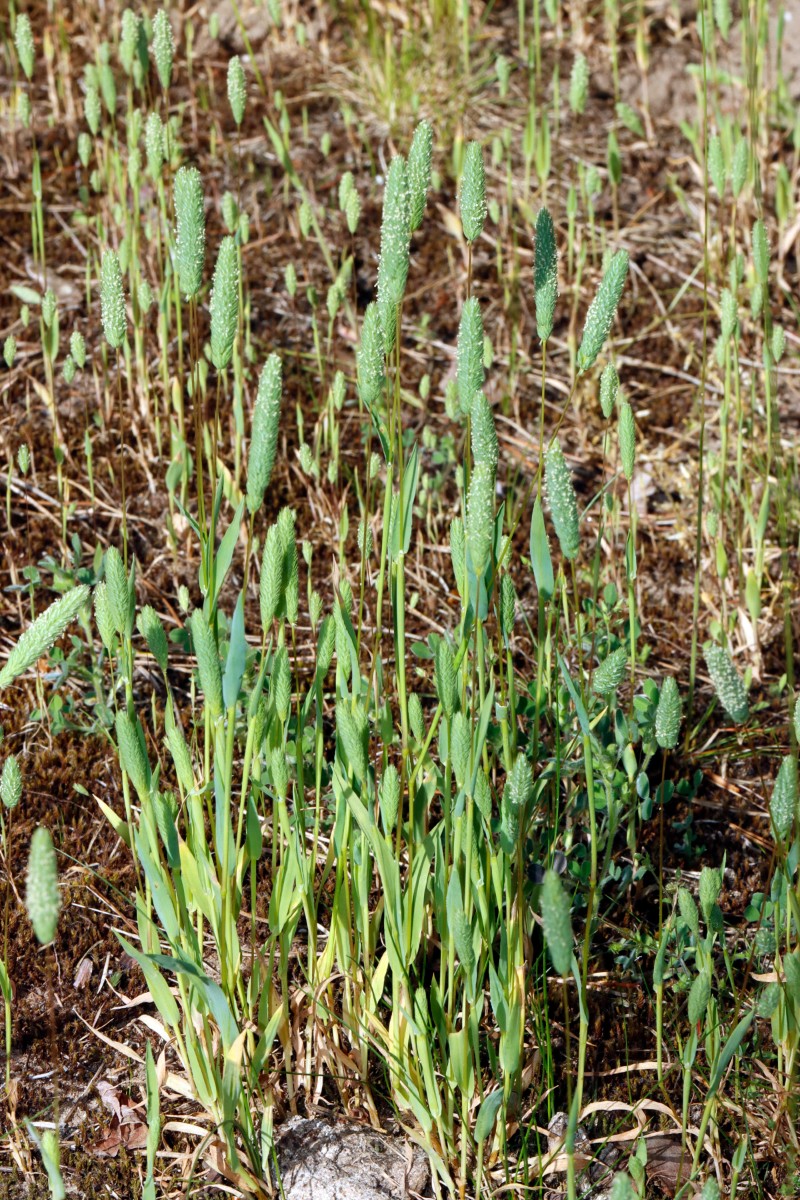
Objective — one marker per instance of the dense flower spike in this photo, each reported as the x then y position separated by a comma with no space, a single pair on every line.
128,39
611,672
92,110
48,307
395,239
627,439
609,387
716,164
472,199
602,309
264,440
346,185
418,170
545,274
508,606
163,47
579,84
205,648
237,89
556,922
668,715
108,88
11,782
389,798
484,434
480,516
224,303
352,211
370,357
562,500
132,757
271,578
112,300
154,145
23,40
727,683
42,898
740,166
469,354
191,230
119,596
445,677
783,805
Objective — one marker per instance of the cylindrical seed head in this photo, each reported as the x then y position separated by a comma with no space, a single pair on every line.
545,274
609,387
627,439
163,47
668,715
458,554
208,668
579,84
445,677
783,805
508,606
484,434
389,798
132,757
128,39
77,348
154,145
42,898
23,40
562,500
149,625
40,637
395,240
91,108
469,354
112,300
602,309
11,782
237,89
370,357
611,672
119,598
290,576
271,580
224,303
264,440
191,230
352,211
727,683
480,516
419,171
472,200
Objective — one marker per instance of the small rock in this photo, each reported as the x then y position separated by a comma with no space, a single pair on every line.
322,1161
255,21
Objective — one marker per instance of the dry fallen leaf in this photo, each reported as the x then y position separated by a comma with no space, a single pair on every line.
666,1164
83,974
132,1136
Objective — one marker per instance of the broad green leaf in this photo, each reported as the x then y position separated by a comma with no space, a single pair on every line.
487,1115
237,656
